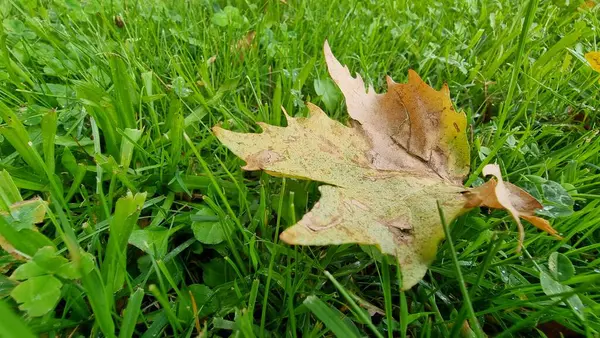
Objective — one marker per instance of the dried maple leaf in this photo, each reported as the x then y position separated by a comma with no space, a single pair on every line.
404,151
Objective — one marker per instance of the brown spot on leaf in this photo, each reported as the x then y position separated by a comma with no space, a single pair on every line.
262,159
313,225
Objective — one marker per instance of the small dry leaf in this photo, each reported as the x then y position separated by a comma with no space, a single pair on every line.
404,151
243,44
503,195
119,21
246,42
594,59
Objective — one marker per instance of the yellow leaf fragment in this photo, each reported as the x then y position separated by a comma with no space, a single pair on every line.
404,151
594,59
307,148
396,213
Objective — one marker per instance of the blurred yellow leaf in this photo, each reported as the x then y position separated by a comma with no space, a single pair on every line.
594,59
588,4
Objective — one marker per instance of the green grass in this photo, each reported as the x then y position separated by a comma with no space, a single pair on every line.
156,231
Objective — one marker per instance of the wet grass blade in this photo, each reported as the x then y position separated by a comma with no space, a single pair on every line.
130,137
132,312
170,314
331,317
463,287
11,325
101,301
126,214
123,92
16,134
9,193
387,295
357,310
49,125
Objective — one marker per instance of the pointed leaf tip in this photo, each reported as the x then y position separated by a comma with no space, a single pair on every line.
390,82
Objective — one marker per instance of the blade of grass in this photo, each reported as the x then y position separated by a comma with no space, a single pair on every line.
15,133
49,125
9,193
132,312
223,198
148,87
175,136
387,295
101,300
357,310
11,325
508,104
403,315
495,245
403,304
102,116
253,295
123,91
331,317
99,170
131,136
172,318
461,282
121,225
160,321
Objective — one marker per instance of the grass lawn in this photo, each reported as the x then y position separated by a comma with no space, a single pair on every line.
152,229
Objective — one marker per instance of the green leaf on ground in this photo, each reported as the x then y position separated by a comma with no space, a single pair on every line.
37,295
208,232
151,240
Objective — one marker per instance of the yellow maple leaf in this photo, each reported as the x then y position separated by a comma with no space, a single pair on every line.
404,151
594,59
